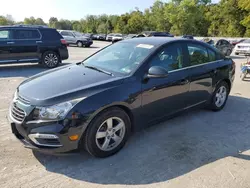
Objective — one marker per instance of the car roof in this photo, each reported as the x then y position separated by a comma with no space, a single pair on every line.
156,41
25,27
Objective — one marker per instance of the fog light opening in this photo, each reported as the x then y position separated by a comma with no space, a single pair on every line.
74,137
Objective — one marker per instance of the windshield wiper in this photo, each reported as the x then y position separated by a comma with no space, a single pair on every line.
98,69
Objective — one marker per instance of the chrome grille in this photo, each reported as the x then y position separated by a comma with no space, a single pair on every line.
17,113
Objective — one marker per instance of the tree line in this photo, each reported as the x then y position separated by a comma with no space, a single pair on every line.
228,18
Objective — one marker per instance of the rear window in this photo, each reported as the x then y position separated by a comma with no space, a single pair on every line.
26,34
50,34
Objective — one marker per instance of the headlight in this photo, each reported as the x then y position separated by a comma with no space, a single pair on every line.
55,112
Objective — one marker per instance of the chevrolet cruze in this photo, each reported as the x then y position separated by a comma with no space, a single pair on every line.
97,103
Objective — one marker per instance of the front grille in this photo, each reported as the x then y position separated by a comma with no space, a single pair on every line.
17,113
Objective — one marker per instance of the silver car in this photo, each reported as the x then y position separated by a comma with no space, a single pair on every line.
76,38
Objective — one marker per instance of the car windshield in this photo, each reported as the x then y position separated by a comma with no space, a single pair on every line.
246,41
122,58
77,34
118,35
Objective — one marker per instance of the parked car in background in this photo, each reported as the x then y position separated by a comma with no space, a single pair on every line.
235,42
130,36
101,37
109,37
224,46
32,44
95,36
140,35
89,35
76,38
243,47
117,37
122,88
208,41
188,36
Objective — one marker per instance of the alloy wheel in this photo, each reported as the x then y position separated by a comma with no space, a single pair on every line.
110,134
221,96
51,60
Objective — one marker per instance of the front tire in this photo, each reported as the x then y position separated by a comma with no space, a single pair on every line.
50,59
107,133
219,97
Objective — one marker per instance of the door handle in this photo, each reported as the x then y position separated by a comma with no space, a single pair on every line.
10,42
39,42
184,82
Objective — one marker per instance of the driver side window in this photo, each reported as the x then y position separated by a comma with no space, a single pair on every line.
170,58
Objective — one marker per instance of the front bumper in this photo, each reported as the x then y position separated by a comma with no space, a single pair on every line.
88,43
61,144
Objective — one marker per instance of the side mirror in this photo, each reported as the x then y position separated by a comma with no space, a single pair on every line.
157,72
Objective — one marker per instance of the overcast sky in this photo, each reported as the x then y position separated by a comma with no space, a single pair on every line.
69,9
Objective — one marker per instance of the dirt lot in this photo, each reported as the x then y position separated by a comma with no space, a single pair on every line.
199,149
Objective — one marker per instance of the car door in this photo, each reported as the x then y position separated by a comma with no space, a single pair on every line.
5,45
25,44
165,96
200,72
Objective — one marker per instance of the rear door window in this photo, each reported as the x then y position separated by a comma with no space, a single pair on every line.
26,34
198,54
4,35
51,34
64,33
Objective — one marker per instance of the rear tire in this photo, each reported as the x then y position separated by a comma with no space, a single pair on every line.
50,59
220,96
104,137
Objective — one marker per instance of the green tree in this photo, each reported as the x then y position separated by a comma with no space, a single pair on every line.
53,22
3,20
102,28
245,5
30,21
122,24
135,22
187,17
39,21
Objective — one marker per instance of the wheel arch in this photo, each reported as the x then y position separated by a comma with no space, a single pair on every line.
227,80
123,107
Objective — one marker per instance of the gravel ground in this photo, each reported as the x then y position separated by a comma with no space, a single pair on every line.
196,150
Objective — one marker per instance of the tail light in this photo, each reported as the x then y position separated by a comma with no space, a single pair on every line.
63,41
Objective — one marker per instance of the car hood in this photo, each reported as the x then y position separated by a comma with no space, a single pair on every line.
65,83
